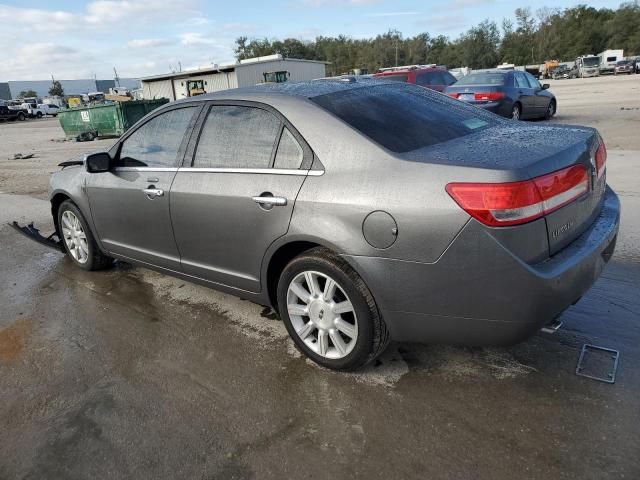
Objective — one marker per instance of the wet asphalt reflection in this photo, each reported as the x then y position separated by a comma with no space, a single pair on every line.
129,373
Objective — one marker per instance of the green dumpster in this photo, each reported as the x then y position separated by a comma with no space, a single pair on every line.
108,120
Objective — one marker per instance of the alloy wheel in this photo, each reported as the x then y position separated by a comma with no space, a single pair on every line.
322,314
74,237
515,113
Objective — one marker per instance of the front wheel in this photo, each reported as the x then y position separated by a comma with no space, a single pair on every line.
551,110
39,114
78,239
329,312
21,117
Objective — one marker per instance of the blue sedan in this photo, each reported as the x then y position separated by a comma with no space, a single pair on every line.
509,93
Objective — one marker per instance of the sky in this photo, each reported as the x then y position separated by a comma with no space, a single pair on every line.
82,39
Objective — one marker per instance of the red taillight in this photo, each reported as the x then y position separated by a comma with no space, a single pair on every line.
488,96
453,95
514,203
601,158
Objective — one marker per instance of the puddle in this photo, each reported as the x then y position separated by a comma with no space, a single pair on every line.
13,339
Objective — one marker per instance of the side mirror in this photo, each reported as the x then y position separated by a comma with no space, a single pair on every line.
545,86
98,162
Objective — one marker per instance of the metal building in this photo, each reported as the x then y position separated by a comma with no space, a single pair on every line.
175,86
12,88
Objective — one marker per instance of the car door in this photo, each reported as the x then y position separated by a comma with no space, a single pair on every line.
525,94
541,98
130,203
237,195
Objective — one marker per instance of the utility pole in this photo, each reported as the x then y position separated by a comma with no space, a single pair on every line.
396,51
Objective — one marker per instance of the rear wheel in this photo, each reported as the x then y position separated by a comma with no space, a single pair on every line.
329,312
78,239
39,114
516,111
21,117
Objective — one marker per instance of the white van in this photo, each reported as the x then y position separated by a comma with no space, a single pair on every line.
608,60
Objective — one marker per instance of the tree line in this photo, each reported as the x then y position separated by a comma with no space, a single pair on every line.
534,37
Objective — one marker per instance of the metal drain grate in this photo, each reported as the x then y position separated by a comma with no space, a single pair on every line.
595,360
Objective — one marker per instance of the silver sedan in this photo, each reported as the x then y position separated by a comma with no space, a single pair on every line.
363,211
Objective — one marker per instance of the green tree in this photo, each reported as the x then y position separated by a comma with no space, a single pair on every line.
27,93
56,89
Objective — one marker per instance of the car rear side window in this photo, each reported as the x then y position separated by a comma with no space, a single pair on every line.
156,143
237,137
290,153
521,80
402,118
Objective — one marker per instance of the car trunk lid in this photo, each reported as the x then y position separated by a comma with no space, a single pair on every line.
534,157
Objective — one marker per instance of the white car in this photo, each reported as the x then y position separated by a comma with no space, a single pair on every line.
40,109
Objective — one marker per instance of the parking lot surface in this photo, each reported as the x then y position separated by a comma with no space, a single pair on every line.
127,373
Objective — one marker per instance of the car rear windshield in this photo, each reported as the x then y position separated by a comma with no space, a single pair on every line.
482,79
403,118
395,78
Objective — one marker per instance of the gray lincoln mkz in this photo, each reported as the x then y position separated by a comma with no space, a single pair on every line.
362,211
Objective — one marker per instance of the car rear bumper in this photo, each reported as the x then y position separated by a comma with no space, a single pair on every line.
501,108
479,293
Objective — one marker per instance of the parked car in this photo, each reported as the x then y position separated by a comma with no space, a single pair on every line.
10,114
429,77
561,72
38,110
361,210
509,93
623,66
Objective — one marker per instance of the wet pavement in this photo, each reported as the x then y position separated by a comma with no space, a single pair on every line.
127,373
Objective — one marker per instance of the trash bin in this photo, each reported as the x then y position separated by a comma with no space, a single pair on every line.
108,120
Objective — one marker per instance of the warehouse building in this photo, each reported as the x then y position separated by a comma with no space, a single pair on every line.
177,85
12,88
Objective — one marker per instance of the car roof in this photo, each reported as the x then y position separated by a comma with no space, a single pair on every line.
306,90
493,70
408,70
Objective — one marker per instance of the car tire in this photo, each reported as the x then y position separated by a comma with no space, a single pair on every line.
516,111
21,117
551,110
78,241
337,325
39,114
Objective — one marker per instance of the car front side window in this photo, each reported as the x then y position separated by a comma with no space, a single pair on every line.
156,143
235,136
533,83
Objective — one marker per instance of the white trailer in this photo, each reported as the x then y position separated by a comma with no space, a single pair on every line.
608,60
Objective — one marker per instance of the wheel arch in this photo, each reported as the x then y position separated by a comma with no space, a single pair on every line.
56,200
60,196
280,254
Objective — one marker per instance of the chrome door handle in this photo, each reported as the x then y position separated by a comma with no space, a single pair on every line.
273,201
153,192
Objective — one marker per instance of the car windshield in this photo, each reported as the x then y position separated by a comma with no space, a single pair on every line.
395,78
482,79
623,62
591,61
403,118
